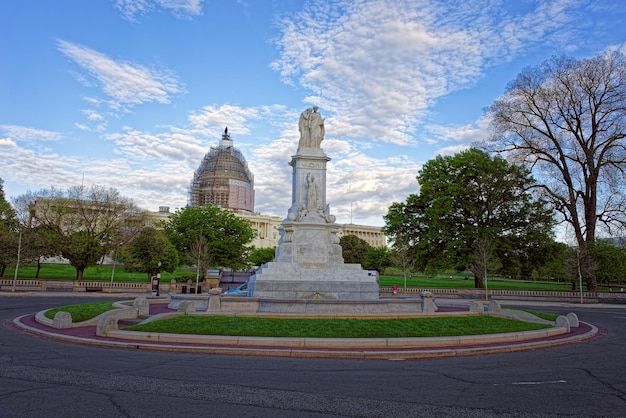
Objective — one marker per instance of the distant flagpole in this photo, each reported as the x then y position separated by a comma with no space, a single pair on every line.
350,212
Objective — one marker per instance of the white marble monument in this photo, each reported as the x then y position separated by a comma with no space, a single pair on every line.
308,262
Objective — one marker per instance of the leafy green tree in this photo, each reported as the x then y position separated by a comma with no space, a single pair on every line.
353,249
566,120
377,258
227,237
471,212
260,256
80,247
554,266
9,235
611,262
402,255
147,250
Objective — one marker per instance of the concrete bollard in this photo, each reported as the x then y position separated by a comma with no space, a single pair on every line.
476,306
142,306
428,302
562,321
215,301
110,320
105,325
62,320
494,307
573,320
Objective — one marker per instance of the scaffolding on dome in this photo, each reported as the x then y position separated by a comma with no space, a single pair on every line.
223,179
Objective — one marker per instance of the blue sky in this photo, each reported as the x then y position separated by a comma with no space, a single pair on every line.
131,94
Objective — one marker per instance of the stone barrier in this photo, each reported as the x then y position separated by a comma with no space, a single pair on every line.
62,320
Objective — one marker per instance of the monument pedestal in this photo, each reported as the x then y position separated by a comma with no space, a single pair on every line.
294,281
309,262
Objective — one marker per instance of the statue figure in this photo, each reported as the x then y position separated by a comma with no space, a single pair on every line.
305,130
312,196
327,216
311,127
316,125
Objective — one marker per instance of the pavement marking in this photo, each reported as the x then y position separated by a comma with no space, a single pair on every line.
547,382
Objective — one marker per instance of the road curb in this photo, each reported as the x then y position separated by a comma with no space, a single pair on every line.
417,348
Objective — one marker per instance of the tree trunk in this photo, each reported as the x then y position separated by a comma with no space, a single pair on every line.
588,266
38,267
79,274
478,282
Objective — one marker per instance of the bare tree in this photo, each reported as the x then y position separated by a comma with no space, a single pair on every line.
403,255
484,260
566,119
200,254
83,224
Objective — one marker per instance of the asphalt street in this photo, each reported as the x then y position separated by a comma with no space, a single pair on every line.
40,377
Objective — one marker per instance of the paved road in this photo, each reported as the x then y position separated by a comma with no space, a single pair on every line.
39,377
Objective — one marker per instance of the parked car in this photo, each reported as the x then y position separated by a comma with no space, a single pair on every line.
241,290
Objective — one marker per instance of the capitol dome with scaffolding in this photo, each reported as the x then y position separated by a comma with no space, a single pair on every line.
223,179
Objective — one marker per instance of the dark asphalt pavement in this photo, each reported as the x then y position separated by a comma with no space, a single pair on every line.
40,377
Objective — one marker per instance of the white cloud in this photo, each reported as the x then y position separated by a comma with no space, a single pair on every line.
36,167
6,143
465,134
25,133
182,9
211,119
377,66
127,84
453,149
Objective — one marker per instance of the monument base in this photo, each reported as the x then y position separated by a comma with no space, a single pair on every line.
309,281
232,304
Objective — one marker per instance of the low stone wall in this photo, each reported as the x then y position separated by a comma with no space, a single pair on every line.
502,294
139,308
217,303
33,285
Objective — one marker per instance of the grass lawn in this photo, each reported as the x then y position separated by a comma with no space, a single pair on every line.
83,311
336,328
315,327
543,315
52,271
461,283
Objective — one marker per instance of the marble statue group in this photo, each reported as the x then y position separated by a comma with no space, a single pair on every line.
311,126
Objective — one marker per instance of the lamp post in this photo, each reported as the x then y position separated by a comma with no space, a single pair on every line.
158,277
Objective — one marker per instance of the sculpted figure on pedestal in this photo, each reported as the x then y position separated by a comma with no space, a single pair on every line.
311,127
316,124
312,197
305,130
